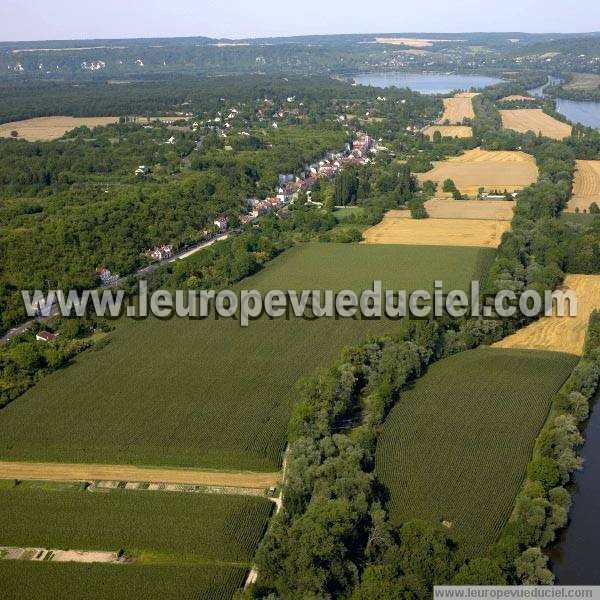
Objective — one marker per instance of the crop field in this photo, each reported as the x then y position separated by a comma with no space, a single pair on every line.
492,170
584,81
586,188
561,334
394,229
495,210
458,108
517,98
455,131
408,41
49,581
454,449
43,129
210,394
153,525
536,120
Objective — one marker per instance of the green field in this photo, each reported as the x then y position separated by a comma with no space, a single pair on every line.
211,394
169,525
456,446
26,580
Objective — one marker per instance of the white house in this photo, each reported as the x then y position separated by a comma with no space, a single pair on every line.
142,170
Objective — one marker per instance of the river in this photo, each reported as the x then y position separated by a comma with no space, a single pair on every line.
426,83
586,113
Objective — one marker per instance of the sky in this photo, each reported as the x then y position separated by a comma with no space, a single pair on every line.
22,20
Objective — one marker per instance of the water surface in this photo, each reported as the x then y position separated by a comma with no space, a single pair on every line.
426,83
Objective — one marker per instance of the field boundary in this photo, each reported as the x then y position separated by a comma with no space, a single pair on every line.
126,473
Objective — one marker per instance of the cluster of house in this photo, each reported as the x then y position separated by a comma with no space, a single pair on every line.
160,252
106,277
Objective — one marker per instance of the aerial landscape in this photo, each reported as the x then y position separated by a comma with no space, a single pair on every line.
292,307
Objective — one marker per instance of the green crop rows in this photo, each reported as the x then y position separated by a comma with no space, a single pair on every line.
455,447
202,526
24,580
209,393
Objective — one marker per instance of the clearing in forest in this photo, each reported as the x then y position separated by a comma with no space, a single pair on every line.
495,210
586,188
454,131
397,229
494,171
536,120
561,334
455,447
458,108
44,129
517,98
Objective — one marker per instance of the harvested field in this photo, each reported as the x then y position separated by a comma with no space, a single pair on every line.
455,447
436,232
561,334
495,210
458,108
455,131
43,129
494,171
583,81
83,472
536,120
414,42
586,188
517,98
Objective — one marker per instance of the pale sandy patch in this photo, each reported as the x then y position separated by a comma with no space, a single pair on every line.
517,98
436,232
561,334
536,120
43,129
586,188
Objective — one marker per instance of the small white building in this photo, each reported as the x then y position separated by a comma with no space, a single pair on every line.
142,170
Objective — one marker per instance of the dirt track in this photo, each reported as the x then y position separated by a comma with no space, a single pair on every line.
82,472
587,186
536,120
561,334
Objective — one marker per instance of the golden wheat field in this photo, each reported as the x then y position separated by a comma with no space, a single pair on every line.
492,170
460,131
586,188
43,129
494,210
458,108
517,98
397,229
561,334
536,120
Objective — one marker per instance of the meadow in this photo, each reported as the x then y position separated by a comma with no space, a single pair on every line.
157,526
211,394
455,447
49,581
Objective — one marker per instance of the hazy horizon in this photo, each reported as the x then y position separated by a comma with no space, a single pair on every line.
34,20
